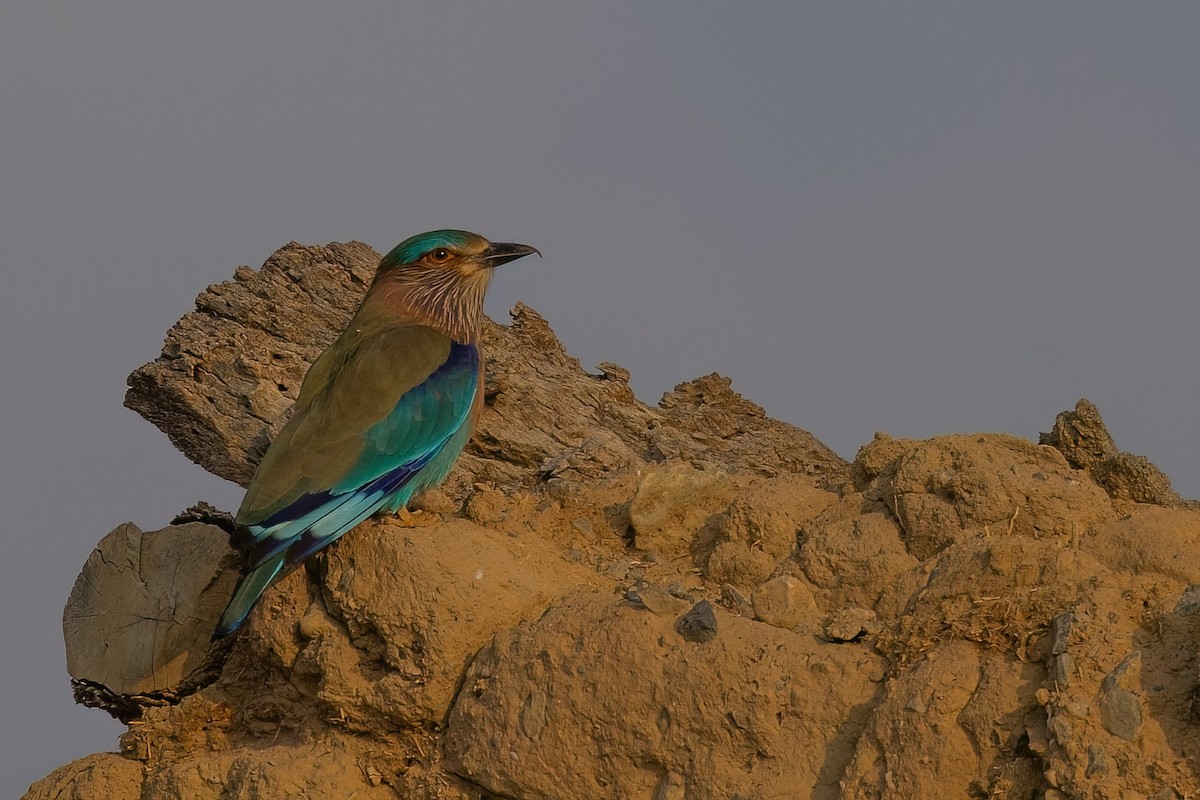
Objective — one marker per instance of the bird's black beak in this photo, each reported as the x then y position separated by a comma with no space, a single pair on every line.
504,252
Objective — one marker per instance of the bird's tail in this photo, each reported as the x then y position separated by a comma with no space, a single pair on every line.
253,584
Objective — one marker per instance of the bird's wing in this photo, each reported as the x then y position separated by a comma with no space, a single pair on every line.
371,414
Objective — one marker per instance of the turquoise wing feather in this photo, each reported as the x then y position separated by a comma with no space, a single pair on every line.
396,451
338,461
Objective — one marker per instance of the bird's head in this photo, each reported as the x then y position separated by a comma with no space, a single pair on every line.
460,253
443,275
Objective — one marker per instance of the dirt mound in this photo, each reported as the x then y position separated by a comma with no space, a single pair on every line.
694,601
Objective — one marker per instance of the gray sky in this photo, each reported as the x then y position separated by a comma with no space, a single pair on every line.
918,218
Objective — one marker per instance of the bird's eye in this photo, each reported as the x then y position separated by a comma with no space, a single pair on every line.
439,255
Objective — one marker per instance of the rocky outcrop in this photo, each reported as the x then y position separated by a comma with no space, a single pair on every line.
688,601
1081,436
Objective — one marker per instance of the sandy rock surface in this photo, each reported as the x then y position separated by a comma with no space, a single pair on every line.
682,602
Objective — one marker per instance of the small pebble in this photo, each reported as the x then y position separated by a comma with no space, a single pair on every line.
617,570
655,599
1060,631
313,623
851,624
1189,601
735,601
699,624
1097,761
677,589
784,602
1120,712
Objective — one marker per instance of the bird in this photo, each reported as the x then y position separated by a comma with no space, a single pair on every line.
382,413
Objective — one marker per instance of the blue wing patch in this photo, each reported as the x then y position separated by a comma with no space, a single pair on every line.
397,449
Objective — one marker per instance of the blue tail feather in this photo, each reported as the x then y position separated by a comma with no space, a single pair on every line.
248,591
273,550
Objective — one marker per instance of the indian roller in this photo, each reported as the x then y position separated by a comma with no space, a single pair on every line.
382,414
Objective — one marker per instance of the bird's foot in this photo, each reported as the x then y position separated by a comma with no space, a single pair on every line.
417,519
